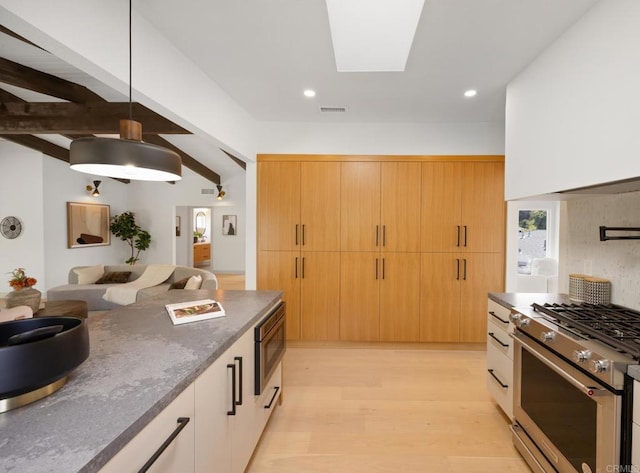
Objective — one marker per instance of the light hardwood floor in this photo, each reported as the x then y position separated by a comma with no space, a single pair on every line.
374,409
230,281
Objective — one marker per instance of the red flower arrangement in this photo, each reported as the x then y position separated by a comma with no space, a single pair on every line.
20,280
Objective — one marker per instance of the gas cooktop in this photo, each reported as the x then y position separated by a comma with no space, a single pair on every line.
616,326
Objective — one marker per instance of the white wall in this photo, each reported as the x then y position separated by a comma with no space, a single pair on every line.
616,260
185,240
229,250
573,115
21,195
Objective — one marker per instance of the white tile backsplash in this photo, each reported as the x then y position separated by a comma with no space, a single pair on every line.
616,260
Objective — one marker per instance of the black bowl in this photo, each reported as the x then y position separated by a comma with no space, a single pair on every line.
39,351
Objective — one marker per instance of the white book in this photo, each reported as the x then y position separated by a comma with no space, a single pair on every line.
193,311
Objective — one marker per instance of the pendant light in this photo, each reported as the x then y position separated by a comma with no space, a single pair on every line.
127,157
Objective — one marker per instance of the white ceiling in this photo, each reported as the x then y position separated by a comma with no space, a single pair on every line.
264,53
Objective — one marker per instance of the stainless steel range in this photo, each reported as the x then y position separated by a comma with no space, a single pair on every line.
572,397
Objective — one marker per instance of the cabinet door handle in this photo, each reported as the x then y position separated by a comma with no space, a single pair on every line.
377,229
457,241
457,269
464,273
303,267
268,406
502,385
465,236
296,265
239,360
383,267
182,423
376,268
500,342
296,234
493,314
303,239
384,235
232,367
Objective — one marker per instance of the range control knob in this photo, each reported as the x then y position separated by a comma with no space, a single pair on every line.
599,366
523,322
514,316
581,356
547,336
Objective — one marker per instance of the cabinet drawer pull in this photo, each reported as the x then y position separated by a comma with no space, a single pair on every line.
232,367
465,236
376,268
493,314
457,269
268,406
239,360
502,385
505,345
384,235
383,267
303,267
377,229
296,264
182,423
464,273
303,238
458,239
296,234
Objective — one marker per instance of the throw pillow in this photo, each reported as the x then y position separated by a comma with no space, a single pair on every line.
115,277
179,284
194,282
89,274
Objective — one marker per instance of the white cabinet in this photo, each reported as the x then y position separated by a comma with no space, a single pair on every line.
500,356
635,430
178,456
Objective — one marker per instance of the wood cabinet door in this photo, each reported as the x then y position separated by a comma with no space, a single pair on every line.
320,296
400,208
400,297
320,206
440,297
279,205
483,208
280,270
441,206
360,206
484,273
359,296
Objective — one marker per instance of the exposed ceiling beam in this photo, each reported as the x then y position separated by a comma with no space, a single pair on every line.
78,118
18,75
190,162
41,145
238,161
8,32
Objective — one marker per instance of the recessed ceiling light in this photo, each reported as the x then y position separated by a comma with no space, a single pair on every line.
470,93
309,93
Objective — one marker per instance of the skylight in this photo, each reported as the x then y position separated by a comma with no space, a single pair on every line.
373,35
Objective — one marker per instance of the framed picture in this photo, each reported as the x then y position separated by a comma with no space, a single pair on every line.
178,225
229,224
87,225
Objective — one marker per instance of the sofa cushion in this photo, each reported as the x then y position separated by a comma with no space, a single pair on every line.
89,274
194,282
179,284
114,277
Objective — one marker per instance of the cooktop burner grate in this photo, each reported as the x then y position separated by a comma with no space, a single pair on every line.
614,325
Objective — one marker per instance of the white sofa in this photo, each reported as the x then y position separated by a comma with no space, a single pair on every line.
92,293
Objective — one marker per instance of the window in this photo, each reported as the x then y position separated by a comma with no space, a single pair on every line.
532,238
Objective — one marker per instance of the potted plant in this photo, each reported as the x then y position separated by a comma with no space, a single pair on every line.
124,226
23,291
196,236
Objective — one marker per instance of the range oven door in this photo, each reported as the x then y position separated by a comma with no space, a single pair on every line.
270,345
566,416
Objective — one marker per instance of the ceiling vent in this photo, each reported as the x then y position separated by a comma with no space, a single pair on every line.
207,191
333,109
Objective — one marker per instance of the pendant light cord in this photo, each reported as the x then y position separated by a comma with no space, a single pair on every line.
130,63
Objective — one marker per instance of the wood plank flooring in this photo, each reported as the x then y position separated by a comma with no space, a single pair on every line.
384,408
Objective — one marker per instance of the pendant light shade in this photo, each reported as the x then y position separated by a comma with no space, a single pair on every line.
125,158
128,157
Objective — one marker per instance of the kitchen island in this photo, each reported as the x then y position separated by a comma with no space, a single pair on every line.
138,364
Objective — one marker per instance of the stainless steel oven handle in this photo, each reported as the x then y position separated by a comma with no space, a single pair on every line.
587,390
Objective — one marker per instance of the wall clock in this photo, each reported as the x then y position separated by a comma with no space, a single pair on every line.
11,227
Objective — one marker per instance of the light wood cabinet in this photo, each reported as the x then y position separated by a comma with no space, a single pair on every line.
201,253
463,207
360,207
453,289
400,297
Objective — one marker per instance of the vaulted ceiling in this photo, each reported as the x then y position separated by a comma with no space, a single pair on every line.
46,112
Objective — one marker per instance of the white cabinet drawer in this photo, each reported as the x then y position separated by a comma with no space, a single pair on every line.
499,339
500,379
499,315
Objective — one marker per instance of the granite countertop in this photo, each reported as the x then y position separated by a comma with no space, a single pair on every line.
525,299
139,363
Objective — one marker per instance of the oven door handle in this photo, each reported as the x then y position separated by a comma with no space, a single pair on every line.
587,390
